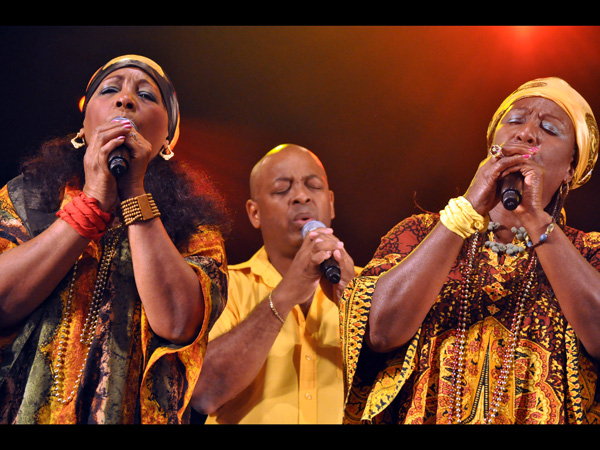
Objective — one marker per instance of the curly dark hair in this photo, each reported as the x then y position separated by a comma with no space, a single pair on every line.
185,196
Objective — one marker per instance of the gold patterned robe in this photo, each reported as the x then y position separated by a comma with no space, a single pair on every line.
553,380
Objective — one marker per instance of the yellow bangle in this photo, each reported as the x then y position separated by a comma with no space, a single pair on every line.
139,208
460,217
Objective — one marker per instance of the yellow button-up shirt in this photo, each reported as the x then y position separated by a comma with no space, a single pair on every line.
301,380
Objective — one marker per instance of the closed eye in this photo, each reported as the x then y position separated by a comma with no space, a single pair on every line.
282,187
148,95
550,129
108,90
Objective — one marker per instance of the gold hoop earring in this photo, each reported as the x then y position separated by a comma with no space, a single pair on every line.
80,144
559,215
166,153
564,190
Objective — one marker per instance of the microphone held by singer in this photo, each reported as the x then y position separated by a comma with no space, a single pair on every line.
118,160
511,190
329,267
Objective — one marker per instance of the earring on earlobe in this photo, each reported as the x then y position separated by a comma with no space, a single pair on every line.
80,144
166,153
559,215
564,190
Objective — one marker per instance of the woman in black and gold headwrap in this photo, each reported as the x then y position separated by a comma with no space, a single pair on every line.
486,312
110,279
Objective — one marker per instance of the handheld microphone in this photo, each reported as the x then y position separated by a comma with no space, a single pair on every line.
511,190
329,267
118,160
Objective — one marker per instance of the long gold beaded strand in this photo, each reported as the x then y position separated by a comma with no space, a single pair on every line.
87,333
461,336
458,365
510,349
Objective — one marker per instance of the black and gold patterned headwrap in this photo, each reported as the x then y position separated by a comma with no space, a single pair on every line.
164,83
577,108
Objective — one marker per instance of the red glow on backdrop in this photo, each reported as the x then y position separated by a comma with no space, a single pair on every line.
412,119
226,152
396,113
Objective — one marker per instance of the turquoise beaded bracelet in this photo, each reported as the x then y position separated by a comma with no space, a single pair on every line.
543,236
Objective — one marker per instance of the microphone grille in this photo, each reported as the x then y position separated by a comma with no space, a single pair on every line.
312,225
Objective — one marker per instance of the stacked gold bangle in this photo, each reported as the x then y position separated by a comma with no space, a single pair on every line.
139,208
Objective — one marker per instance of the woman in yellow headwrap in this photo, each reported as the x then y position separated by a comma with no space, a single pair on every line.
487,312
112,264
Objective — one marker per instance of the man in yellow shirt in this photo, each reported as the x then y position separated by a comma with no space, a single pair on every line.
274,354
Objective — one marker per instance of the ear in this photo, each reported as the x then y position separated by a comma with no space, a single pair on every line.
570,174
253,213
331,205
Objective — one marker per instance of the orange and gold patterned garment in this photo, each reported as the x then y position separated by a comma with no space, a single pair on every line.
130,375
552,381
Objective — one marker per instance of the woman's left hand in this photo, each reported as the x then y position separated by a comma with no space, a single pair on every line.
131,183
533,177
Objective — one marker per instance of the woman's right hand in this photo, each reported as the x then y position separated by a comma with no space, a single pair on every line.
99,182
483,192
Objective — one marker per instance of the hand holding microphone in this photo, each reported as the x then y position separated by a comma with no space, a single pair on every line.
511,186
118,160
329,267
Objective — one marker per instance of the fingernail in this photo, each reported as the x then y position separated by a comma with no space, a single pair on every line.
526,156
126,122
534,149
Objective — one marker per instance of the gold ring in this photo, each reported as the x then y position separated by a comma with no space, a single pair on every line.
496,151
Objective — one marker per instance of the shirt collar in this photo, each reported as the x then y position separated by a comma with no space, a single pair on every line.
260,266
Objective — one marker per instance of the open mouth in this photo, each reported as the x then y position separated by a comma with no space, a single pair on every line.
302,218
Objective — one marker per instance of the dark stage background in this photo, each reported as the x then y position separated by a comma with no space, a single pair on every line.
396,113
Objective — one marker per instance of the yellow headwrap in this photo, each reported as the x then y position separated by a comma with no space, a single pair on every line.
561,93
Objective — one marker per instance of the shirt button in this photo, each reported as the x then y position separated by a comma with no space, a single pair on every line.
308,396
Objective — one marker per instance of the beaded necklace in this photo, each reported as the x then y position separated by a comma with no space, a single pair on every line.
59,391
458,365
509,249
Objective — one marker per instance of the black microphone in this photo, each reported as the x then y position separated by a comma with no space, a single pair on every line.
329,267
118,160
511,190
